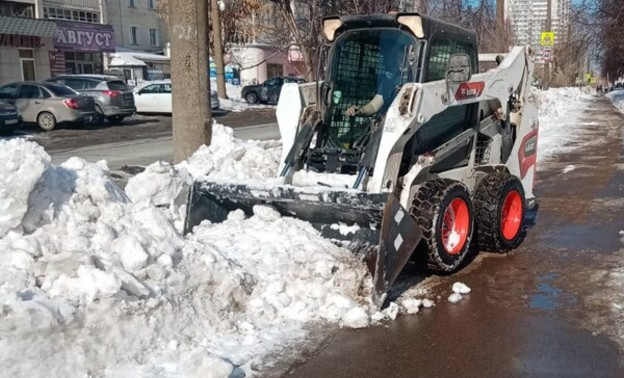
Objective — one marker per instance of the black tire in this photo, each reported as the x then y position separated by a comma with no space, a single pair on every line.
251,98
46,121
429,208
489,201
116,120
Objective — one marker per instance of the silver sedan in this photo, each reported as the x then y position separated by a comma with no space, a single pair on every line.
48,104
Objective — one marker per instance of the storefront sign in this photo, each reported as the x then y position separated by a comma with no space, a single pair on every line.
83,37
12,40
57,63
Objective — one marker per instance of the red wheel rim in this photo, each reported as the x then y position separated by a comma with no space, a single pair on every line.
455,226
511,217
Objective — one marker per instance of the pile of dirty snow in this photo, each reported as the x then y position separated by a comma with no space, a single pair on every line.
98,281
618,99
234,102
559,112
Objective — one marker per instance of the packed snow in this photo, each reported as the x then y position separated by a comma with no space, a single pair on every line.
559,112
96,280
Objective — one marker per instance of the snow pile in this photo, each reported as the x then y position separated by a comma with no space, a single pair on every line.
559,111
234,102
103,283
21,168
617,97
227,158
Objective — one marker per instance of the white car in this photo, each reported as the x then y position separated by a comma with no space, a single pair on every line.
155,97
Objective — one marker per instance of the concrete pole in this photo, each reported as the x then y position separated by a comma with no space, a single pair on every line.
192,124
218,47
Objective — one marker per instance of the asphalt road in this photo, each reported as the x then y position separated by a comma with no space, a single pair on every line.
140,140
552,308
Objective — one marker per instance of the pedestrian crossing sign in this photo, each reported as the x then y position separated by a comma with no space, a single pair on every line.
547,39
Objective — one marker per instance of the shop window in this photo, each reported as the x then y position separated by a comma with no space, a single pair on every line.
134,35
153,37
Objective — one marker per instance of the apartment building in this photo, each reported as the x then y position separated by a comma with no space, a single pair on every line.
137,24
529,19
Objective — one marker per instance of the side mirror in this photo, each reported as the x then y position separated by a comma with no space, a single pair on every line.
458,69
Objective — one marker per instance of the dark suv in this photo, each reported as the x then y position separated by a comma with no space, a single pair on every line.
269,91
113,99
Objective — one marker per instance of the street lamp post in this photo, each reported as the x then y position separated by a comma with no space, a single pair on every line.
216,7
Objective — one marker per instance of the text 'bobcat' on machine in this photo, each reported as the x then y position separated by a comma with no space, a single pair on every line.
432,153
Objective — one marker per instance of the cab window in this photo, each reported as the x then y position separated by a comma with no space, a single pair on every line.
440,52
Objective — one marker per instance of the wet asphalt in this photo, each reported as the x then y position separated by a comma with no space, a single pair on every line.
552,308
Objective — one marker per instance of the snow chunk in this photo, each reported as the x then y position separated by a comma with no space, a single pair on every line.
23,163
568,168
266,213
133,256
454,298
460,288
355,318
411,305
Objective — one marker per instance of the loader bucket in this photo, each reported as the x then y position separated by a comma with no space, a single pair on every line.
385,239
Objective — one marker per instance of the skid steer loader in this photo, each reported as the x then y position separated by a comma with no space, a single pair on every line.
402,144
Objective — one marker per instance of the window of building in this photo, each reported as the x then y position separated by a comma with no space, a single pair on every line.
69,14
131,4
13,9
83,63
134,35
153,37
27,61
150,4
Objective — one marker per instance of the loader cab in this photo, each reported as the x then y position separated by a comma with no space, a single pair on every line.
376,55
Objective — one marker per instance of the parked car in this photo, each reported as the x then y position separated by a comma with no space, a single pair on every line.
48,104
155,97
269,91
10,118
113,98
214,100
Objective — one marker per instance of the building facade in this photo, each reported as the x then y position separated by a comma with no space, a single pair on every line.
529,19
137,25
43,38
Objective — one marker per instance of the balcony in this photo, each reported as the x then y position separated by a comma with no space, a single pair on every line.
77,4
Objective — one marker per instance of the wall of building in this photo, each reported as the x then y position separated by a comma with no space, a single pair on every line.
10,64
122,16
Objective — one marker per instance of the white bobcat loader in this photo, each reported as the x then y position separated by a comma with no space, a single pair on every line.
401,145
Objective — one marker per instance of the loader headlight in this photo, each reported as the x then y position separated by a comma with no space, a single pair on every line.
414,23
330,25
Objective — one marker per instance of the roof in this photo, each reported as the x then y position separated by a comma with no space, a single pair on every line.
90,76
136,59
123,59
27,26
430,25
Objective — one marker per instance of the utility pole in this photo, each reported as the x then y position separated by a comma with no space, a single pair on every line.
192,124
218,47
546,78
